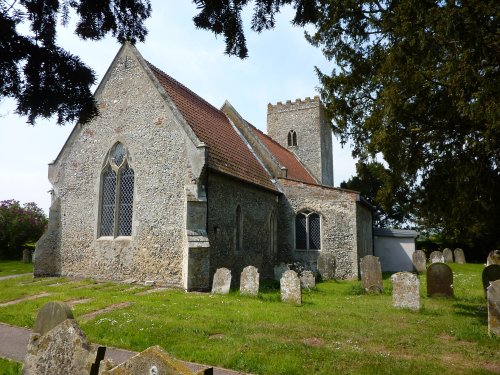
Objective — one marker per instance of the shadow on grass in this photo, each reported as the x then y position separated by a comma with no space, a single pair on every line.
473,311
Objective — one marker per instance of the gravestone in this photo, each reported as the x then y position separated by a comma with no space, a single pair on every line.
419,260
249,281
290,288
493,296
326,266
436,257
279,270
371,274
459,256
490,273
26,256
405,290
154,361
493,257
222,281
439,280
307,280
448,255
50,315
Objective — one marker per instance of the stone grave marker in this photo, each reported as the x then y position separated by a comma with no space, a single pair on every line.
459,256
307,280
50,315
436,257
493,257
326,266
439,280
222,281
493,297
279,270
371,274
249,281
448,255
490,273
26,256
405,290
419,260
290,288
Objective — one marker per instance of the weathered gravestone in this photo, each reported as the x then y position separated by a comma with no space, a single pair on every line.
405,290
50,315
419,261
290,288
154,361
326,266
222,281
448,255
371,274
459,256
436,257
279,270
26,256
249,281
490,273
493,257
493,296
307,280
439,280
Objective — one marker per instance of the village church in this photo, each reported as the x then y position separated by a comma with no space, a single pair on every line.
162,186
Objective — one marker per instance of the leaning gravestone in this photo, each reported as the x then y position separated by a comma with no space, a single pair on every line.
459,256
249,281
436,257
307,280
290,288
439,280
222,281
279,270
326,266
493,257
448,255
493,296
490,273
405,290
419,260
371,274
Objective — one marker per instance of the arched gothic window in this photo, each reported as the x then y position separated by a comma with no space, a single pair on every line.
117,194
239,230
307,231
292,138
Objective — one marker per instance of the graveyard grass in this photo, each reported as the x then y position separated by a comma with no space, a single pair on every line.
13,267
338,329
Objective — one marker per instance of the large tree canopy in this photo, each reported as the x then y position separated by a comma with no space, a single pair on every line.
414,81
45,79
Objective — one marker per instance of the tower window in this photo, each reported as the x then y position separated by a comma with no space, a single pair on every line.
292,138
307,231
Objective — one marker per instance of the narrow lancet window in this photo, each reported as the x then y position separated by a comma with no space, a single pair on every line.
292,138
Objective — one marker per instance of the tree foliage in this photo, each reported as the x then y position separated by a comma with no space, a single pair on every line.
416,82
42,77
19,225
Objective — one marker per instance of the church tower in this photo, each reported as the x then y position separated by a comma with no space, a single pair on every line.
301,128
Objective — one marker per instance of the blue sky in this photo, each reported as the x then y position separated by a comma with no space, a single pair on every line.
280,67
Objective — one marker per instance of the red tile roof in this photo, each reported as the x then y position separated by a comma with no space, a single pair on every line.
227,153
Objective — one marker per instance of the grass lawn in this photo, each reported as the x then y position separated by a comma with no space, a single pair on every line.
13,267
338,329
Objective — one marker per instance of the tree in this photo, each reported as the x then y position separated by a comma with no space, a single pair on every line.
19,225
45,79
416,82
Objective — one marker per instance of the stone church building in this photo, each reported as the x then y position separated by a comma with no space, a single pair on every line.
164,187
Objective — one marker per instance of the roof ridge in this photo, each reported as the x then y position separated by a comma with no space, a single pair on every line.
271,139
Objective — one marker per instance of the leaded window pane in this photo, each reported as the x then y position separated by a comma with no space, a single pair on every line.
300,232
126,202
118,154
314,232
108,202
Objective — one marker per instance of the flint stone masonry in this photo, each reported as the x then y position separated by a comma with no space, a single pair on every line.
448,255
51,315
439,280
459,256
279,270
493,257
222,281
307,280
371,274
249,281
490,273
405,290
436,257
326,266
493,297
290,288
419,261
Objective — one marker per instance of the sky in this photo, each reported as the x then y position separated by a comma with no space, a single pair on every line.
280,67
